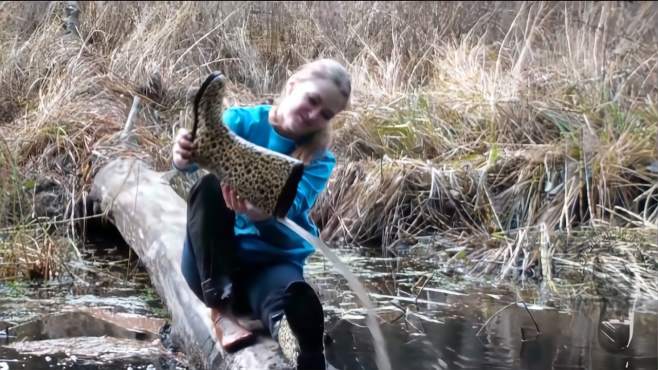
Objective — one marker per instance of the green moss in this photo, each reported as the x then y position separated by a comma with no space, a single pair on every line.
15,289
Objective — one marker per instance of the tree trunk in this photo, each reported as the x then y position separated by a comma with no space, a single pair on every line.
151,217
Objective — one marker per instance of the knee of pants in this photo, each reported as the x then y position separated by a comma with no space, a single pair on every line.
206,196
280,299
266,290
189,270
203,185
274,304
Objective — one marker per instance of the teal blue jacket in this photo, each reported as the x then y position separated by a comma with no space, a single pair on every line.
269,240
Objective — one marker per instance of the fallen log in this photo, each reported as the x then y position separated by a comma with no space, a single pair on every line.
151,217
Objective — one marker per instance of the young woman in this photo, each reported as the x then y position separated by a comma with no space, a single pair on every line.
234,255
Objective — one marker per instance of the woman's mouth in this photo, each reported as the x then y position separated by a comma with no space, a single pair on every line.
301,121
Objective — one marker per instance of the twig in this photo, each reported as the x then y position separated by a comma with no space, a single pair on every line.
127,128
24,227
405,299
531,317
494,315
631,319
423,287
203,37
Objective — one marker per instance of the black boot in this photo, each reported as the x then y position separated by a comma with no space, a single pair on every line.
311,361
210,234
300,330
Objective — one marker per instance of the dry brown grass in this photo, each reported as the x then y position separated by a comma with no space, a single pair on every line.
476,121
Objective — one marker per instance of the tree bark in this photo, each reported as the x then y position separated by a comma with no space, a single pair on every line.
151,217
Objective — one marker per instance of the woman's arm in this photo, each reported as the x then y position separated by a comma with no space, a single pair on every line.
314,180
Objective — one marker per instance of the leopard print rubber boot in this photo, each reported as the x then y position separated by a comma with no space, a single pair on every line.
287,341
291,351
264,177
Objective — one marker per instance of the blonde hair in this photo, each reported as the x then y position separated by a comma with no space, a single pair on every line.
327,69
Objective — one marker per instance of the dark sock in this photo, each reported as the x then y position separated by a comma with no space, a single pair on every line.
214,297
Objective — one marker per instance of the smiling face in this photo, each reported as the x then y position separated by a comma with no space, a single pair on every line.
309,106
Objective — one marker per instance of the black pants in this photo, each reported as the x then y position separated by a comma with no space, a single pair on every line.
211,266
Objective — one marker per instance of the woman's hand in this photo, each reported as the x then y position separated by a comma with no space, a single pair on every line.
183,147
238,205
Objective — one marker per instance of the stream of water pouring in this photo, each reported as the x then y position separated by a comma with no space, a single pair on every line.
381,356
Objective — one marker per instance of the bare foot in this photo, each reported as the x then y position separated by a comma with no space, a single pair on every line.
230,334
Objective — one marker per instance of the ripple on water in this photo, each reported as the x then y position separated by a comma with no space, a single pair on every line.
445,327
104,324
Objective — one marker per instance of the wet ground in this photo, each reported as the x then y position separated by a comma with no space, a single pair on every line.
431,319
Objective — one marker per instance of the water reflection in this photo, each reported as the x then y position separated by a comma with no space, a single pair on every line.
445,328
89,353
567,341
110,320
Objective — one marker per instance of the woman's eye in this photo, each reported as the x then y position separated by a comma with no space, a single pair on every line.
327,115
313,100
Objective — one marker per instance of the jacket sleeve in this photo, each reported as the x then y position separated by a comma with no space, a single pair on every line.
315,178
235,119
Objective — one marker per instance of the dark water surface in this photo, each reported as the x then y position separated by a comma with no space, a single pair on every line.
445,328
430,319
109,318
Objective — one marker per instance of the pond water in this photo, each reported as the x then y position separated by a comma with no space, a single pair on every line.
431,319
111,321
438,321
